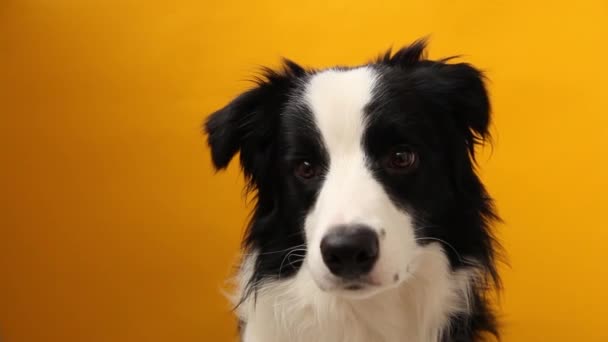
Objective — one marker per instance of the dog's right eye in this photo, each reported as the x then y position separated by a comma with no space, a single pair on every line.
306,170
401,159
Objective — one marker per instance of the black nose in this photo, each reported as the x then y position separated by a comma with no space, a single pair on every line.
350,251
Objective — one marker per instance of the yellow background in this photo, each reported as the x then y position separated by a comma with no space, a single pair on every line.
114,227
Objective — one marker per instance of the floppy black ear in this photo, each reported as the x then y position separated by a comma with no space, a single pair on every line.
249,123
464,87
225,128
456,88
458,91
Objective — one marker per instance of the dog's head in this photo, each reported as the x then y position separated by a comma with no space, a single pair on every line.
358,169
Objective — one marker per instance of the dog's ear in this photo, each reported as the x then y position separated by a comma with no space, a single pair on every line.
249,123
226,128
458,91
464,88
456,88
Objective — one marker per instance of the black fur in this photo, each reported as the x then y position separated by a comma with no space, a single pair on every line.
439,110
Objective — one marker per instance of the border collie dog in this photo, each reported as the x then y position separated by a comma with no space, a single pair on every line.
370,222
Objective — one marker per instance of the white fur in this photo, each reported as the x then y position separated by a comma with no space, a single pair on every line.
297,310
414,291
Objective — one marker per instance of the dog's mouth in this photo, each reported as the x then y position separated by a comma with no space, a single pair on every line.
358,287
353,287
357,284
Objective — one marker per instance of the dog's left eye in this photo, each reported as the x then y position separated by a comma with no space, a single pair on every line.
401,159
306,170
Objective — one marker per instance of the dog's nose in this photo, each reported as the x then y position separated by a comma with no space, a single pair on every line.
350,251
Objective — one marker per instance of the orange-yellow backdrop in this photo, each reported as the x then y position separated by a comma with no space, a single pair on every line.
114,228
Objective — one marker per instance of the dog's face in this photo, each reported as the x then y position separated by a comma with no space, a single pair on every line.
357,170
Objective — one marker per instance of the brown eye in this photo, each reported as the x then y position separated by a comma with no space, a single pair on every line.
401,159
306,170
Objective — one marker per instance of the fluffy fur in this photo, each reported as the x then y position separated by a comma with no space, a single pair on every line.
388,146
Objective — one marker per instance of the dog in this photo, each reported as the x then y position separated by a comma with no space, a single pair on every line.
370,222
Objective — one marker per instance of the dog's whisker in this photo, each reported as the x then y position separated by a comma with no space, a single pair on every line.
460,258
286,257
275,252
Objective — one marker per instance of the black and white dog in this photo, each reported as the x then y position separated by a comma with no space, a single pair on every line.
370,223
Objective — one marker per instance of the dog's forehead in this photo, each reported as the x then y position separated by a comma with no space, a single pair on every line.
337,99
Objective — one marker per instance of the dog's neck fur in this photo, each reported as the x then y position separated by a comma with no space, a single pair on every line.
419,310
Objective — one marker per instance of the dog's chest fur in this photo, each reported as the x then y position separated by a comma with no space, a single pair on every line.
295,309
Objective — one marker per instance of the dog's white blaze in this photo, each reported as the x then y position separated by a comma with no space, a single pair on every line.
350,194
305,307
337,100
